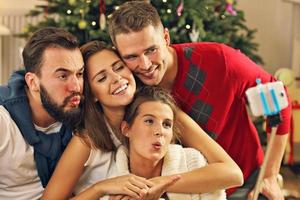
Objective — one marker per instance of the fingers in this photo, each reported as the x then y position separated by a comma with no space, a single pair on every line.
137,187
172,180
134,191
270,189
142,180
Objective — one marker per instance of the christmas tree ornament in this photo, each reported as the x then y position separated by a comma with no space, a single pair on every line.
102,18
179,8
194,34
46,9
229,7
72,2
82,24
214,22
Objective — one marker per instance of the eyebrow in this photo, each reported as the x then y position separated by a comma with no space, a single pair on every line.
112,65
150,115
147,49
61,69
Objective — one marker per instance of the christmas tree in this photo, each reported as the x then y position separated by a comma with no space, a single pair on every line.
187,21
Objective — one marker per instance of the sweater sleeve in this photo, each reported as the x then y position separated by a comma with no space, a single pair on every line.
243,73
195,159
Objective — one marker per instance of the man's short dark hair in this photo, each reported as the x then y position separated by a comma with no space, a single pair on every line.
40,41
133,16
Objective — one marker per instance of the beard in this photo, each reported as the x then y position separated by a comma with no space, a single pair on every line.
70,117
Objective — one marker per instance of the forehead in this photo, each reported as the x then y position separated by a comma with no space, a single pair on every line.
56,57
101,61
134,42
156,108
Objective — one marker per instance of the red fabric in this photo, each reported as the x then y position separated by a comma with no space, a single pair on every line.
227,74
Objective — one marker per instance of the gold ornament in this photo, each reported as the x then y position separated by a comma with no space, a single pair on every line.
82,24
102,21
72,2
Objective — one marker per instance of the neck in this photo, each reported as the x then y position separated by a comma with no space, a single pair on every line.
39,115
114,116
171,72
145,168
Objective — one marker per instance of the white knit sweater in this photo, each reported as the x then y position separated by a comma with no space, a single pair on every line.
177,160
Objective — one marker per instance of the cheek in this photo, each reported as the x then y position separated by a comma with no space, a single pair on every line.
131,65
99,91
169,138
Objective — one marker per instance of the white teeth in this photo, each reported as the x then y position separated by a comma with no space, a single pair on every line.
120,89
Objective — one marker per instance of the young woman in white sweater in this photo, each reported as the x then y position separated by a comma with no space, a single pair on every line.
150,127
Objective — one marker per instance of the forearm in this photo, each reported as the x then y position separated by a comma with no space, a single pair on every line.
277,151
206,179
92,193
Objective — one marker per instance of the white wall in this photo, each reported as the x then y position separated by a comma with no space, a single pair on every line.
12,18
273,20
19,6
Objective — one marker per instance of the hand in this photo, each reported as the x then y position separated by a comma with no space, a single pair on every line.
270,189
129,185
162,183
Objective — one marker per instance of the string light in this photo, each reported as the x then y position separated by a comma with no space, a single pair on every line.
93,23
169,11
88,1
69,12
165,1
187,26
117,7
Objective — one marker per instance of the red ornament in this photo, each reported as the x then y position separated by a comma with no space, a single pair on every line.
102,7
102,19
180,8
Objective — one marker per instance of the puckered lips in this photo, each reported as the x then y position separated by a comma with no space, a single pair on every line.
157,145
75,101
121,88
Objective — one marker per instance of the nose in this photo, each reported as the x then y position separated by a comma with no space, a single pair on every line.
116,77
75,84
158,131
145,62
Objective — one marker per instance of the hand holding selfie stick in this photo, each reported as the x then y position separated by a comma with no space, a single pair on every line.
268,100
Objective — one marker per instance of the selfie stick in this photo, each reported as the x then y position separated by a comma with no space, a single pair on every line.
271,109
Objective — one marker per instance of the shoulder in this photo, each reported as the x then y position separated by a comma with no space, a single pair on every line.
194,158
8,128
204,47
5,119
190,154
122,160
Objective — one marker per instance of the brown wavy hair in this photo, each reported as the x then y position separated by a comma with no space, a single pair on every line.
95,127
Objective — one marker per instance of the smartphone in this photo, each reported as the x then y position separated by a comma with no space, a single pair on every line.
267,99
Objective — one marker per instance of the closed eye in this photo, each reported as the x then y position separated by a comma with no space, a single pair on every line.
119,67
101,79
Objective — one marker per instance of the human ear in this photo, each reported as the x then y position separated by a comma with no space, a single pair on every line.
32,81
125,128
167,36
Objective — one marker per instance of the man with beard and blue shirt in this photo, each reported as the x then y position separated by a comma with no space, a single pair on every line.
39,107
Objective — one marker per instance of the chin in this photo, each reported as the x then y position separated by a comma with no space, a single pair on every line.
149,82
